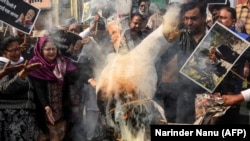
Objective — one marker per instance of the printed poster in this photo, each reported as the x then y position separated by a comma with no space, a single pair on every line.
214,57
19,14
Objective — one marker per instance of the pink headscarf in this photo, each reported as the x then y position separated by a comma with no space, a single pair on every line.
51,71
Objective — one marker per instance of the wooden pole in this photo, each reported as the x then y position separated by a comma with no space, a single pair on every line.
5,31
242,78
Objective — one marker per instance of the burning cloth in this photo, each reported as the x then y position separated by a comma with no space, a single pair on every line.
208,108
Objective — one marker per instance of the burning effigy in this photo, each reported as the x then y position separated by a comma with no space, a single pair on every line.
127,84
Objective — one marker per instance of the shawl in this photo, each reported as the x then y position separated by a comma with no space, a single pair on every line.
50,71
6,60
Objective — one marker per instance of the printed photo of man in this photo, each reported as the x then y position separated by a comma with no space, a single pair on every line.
26,20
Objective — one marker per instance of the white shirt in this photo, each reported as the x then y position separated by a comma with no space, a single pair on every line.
246,94
85,33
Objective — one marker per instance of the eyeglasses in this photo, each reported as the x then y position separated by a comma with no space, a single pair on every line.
50,48
14,50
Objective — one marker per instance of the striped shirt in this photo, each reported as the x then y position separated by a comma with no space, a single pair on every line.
243,13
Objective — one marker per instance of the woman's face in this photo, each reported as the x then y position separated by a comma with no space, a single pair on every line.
13,52
49,51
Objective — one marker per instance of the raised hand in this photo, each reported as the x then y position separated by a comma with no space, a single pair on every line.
232,99
21,18
25,45
70,49
79,44
9,69
28,68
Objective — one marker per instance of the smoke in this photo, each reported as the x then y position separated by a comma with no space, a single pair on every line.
123,6
131,78
127,83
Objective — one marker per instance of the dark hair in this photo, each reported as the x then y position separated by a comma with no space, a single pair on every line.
140,1
212,7
6,42
230,10
194,4
136,14
69,21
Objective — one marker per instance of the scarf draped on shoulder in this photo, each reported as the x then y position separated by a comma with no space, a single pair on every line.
6,60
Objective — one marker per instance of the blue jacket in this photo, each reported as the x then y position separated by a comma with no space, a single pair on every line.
243,35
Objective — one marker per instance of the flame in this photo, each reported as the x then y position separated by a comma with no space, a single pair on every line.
127,83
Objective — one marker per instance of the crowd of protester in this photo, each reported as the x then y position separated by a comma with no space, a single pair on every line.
47,84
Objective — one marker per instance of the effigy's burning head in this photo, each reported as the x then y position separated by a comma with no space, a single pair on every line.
171,23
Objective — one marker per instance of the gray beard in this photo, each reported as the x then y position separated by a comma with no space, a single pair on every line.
143,13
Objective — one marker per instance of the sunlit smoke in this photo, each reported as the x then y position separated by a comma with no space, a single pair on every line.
130,80
127,83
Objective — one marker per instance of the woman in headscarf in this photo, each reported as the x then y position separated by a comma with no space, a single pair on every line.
49,82
17,107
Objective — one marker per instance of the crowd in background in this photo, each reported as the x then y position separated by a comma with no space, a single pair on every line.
47,84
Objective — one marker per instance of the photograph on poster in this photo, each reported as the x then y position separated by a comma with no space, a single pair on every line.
214,57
